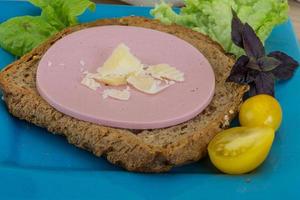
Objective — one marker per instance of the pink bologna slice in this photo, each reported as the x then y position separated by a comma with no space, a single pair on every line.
61,70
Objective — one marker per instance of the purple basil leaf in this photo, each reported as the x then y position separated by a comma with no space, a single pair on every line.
248,77
237,78
240,65
252,75
264,84
252,64
268,63
239,70
287,67
252,90
237,30
252,44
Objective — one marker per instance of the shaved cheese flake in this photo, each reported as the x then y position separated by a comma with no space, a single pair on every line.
119,66
123,95
112,79
165,71
146,83
123,68
89,81
91,75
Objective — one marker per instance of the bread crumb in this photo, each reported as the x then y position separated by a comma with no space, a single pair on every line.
226,121
49,63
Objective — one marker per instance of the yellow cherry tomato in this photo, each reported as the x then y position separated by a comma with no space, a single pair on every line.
261,110
240,150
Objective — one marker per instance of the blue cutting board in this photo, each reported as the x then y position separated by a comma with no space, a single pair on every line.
37,165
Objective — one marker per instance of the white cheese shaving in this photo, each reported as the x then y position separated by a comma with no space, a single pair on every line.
146,83
90,82
119,66
123,95
123,68
165,71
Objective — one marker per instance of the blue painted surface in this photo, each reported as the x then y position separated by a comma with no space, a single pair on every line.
37,165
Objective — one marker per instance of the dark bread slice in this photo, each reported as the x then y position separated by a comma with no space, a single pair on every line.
145,151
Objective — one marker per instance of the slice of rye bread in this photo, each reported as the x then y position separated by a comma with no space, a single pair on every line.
155,150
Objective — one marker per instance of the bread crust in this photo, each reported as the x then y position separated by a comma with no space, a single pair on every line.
155,150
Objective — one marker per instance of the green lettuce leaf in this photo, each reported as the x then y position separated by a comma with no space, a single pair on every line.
60,13
213,17
21,34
